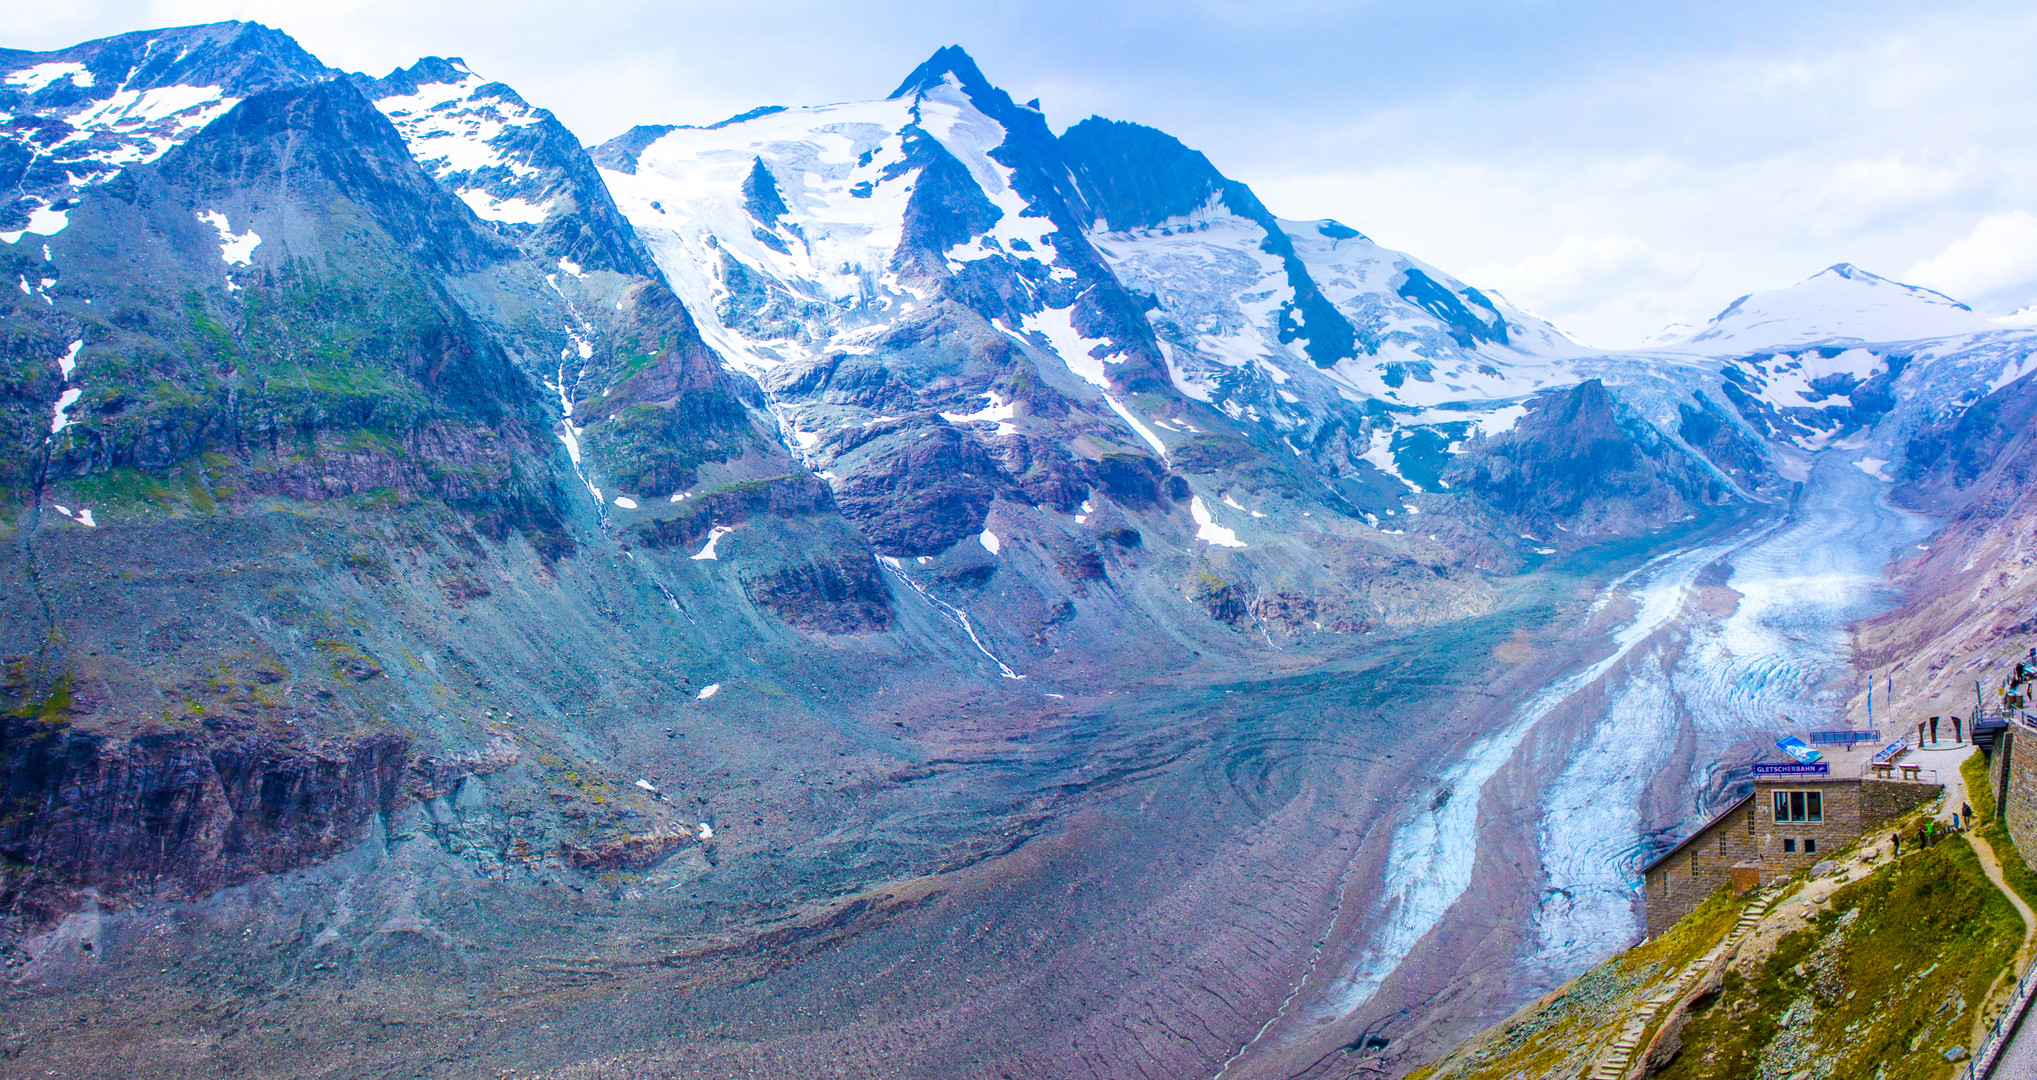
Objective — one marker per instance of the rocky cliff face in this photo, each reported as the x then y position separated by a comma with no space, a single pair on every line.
1579,461
1969,593
174,814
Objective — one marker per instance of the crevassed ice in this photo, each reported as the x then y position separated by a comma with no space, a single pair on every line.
686,203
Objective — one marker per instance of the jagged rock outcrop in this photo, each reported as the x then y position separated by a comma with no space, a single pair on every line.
1578,460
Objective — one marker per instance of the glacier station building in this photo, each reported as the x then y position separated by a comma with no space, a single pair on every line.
1798,814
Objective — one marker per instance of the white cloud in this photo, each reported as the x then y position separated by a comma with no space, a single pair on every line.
1993,268
1582,270
1595,282
1861,193
1752,167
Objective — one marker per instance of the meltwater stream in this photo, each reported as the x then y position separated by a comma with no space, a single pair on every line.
1782,651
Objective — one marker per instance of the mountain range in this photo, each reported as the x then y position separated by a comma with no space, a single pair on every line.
873,588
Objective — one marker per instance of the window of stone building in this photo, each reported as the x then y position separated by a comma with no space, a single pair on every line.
1795,806
1810,846
1789,847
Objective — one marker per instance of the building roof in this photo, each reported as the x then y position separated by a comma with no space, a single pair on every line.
1701,830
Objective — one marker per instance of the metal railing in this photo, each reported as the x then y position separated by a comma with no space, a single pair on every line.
1998,1033
1845,738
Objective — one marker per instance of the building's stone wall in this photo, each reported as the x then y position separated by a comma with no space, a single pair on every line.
1678,884
2019,792
1882,801
1998,769
1749,833
1815,841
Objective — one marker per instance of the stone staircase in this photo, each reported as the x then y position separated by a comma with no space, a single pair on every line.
1619,1059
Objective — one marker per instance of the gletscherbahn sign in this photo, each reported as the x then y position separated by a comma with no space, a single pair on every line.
1793,768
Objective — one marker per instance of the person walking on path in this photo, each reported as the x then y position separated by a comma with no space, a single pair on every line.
1923,838
1895,843
1967,811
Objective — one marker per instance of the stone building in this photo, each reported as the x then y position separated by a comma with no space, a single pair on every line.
2014,764
1785,824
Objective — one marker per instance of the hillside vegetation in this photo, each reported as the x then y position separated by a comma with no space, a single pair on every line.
1882,969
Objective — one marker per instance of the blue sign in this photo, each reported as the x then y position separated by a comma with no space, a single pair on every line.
1792,768
1798,749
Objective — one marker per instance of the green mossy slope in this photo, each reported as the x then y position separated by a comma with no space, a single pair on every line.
1885,979
1879,979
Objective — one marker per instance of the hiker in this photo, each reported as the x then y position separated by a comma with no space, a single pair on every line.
1955,821
1923,838
1934,731
1967,810
1895,843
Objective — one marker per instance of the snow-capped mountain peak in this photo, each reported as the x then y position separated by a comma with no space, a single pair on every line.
949,63
464,130
79,116
1674,334
512,163
1841,303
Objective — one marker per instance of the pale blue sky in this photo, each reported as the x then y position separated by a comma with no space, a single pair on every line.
1614,166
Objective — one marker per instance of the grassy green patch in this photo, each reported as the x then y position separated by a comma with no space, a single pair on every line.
1880,984
123,489
1980,794
53,707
